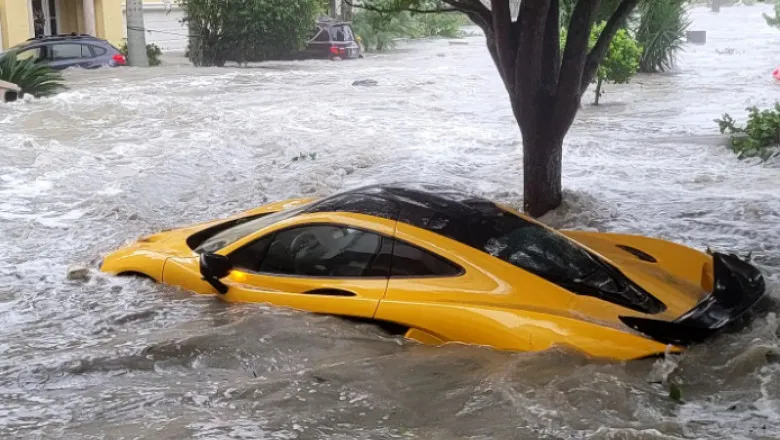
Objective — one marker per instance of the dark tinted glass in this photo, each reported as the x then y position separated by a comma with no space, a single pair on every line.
322,250
359,204
511,238
250,257
322,35
97,50
410,261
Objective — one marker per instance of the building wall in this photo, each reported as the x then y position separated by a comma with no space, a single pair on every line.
14,21
109,20
69,16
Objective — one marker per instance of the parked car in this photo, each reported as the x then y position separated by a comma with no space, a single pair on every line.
331,39
70,50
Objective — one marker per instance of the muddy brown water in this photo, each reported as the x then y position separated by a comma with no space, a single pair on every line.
128,152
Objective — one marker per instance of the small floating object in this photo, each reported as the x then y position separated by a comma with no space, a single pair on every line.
776,73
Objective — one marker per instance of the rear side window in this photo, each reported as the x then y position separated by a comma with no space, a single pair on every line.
322,36
411,261
96,50
342,33
68,51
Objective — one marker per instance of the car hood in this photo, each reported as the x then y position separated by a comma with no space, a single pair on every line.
679,286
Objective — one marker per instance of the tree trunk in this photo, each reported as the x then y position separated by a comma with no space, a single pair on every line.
598,91
542,160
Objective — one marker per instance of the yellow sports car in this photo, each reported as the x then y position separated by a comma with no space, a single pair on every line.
445,266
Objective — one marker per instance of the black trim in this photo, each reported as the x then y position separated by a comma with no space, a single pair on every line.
738,288
330,292
644,256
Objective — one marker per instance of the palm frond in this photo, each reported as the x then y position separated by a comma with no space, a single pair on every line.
34,79
661,32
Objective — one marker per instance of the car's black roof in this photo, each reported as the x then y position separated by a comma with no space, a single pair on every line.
444,210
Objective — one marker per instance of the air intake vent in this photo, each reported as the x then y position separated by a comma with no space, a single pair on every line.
637,253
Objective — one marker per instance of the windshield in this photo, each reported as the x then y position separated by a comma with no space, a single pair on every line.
541,251
235,233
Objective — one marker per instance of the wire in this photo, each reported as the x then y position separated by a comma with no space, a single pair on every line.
179,34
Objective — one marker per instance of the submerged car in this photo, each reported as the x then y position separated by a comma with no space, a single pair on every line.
445,266
330,39
70,50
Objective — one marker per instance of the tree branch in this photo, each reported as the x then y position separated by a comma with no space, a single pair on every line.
598,52
369,7
504,39
475,10
530,26
551,57
574,58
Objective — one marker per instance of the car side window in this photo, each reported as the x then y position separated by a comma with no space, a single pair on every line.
35,53
94,51
319,251
69,51
250,256
322,35
411,261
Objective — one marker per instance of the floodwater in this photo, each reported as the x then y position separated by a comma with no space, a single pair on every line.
128,152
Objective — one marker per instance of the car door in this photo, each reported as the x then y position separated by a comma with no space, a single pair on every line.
323,268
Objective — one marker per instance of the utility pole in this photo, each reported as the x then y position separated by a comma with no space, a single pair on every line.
136,39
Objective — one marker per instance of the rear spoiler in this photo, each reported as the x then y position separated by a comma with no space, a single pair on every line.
738,287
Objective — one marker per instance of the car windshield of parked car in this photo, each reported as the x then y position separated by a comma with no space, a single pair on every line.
241,230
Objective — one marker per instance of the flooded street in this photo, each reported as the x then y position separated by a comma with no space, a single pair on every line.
127,152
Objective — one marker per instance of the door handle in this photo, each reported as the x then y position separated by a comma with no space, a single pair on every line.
330,292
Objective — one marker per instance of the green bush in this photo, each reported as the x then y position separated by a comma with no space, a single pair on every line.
440,25
661,32
378,30
153,52
247,30
34,79
621,62
759,138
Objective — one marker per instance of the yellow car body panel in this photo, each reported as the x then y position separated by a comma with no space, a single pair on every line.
489,302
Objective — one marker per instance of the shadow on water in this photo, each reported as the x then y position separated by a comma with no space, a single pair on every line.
131,151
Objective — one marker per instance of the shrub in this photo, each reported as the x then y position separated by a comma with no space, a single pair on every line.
661,32
35,79
378,30
440,25
247,30
759,138
153,52
622,59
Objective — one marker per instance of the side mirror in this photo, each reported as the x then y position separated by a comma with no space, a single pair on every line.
213,267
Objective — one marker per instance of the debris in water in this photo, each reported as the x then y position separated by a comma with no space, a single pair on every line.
675,393
78,272
302,156
365,82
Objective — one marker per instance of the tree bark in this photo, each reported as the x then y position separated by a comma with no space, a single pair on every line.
598,91
542,157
